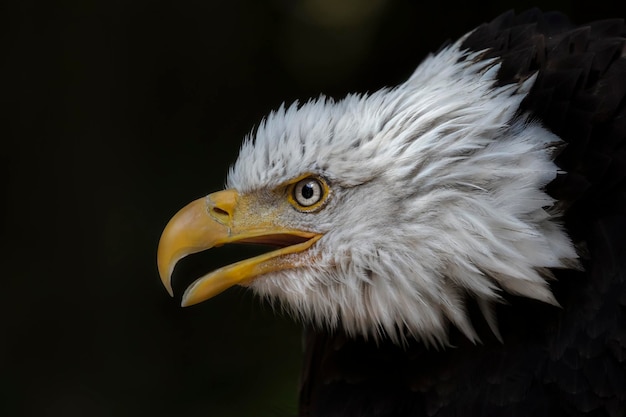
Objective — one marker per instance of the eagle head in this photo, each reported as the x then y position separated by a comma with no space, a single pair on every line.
389,210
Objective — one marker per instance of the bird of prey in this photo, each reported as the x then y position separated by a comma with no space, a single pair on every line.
456,245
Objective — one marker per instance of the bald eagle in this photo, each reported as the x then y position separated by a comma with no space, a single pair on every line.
455,244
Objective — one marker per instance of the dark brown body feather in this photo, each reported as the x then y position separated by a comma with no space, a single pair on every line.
568,361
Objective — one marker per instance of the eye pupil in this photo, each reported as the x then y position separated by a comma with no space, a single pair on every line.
308,191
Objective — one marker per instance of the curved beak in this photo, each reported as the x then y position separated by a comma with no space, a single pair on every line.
221,218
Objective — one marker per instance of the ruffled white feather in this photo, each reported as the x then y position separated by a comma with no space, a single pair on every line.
437,194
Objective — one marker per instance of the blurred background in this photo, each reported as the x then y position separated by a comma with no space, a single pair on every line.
118,113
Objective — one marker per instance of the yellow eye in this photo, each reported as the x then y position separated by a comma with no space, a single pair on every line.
308,193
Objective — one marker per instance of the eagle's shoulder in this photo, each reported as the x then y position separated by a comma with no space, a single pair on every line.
579,93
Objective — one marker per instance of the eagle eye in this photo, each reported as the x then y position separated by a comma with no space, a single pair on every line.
308,193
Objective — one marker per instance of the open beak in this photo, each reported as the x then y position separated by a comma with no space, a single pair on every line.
222,218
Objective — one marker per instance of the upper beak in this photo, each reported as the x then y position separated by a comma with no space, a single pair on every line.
214,221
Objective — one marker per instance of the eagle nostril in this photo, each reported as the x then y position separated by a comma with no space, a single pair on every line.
219,214
218,211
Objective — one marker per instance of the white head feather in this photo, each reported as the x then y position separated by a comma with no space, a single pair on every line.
437,194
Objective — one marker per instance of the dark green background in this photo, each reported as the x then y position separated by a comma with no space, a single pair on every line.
115,115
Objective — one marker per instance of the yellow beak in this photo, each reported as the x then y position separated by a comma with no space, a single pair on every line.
222,218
